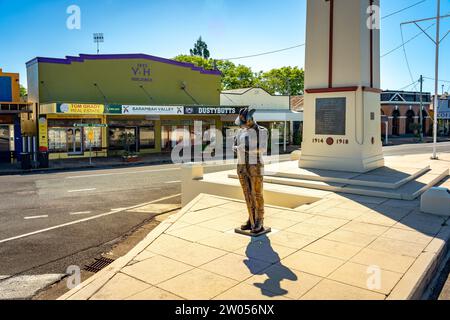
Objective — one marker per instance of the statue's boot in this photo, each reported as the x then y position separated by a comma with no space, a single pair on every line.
259,226
247,226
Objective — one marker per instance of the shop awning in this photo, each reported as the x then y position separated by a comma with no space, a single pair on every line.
278,115
270,116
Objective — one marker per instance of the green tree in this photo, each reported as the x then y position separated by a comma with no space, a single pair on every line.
233,76
207,64
23,92
200,49
285,81
236,76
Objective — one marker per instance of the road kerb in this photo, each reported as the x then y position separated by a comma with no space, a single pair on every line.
97,281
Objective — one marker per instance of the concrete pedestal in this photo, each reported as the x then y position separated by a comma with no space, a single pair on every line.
342,113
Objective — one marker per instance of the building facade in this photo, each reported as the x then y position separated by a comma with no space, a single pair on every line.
111,104
16,118
272,111
444,116
401,109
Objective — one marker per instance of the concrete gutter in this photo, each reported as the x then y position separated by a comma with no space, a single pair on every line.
89,287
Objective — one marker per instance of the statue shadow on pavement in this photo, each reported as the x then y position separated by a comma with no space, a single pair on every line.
260,250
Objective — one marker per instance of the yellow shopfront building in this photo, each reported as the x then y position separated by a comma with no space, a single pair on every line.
105,105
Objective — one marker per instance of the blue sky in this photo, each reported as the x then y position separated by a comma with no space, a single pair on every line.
230,27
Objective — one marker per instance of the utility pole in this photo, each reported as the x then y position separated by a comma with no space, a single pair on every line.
437,41
436,80
421,109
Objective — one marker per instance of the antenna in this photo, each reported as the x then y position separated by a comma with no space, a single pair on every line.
98,38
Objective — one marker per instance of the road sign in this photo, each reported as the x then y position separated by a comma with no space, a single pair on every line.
91,136
90,125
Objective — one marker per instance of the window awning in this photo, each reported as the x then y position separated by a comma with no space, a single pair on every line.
278,115
271,116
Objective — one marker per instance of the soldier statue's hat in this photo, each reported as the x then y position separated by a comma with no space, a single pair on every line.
244,115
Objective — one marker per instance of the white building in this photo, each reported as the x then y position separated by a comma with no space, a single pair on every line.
272,111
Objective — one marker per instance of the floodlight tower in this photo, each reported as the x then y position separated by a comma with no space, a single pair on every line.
98,38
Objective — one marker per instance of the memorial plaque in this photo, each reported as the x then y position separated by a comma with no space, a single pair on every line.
330,116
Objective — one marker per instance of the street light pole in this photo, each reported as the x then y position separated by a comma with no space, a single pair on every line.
421,109
437,42
436,81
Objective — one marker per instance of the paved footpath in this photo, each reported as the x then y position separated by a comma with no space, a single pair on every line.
341,247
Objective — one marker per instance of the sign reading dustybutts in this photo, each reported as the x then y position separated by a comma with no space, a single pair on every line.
211,110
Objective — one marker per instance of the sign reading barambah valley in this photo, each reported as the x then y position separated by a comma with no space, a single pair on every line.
330,116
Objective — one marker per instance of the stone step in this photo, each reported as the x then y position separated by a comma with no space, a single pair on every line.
408,191
388,178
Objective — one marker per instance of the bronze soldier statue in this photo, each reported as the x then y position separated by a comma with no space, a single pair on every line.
250,146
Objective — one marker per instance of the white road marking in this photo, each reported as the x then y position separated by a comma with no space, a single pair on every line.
36,217
119,173
82,190
79,213
172,182
85,219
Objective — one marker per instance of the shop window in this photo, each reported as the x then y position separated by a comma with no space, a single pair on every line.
4,140
57,140
96,135
184,132
147,137
115,138
280,126
122,138
396,123
410,121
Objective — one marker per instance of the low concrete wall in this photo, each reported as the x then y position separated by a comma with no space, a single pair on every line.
193,184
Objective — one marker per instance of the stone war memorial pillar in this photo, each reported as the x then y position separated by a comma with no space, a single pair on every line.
342,115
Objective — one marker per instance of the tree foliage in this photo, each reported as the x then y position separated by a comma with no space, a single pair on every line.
207,64
200,49
283,81
236,76
23,92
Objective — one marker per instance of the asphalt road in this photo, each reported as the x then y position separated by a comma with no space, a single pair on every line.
31,204
51,221
416,149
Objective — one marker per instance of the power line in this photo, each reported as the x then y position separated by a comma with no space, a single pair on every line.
406,87
411,39
404,9
303,44
266,53
446,81
406,57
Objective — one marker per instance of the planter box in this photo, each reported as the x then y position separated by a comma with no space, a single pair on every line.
131,159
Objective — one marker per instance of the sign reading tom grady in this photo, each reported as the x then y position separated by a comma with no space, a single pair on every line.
79,108
330,116
146,110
